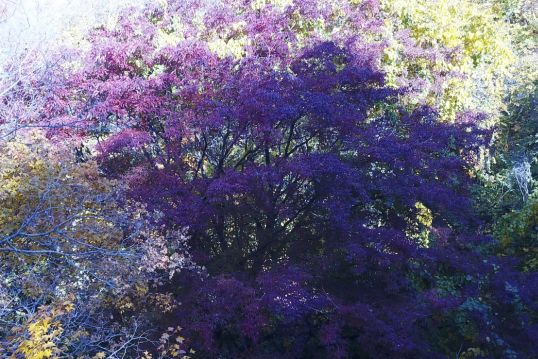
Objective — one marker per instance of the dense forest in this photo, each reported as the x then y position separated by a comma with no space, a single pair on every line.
274,179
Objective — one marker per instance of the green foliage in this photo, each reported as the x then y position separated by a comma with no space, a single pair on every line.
509,171
518,233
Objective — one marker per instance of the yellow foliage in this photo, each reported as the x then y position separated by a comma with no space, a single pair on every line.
419,227
40,343
170,344
232,47
484,55
43,331
424,215
54,207
34,175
